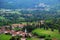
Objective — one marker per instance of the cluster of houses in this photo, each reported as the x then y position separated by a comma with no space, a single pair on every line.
9,30
13,32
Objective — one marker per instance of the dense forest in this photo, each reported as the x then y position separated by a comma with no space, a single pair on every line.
18,16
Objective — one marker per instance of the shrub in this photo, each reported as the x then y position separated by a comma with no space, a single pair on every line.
48,39
42,36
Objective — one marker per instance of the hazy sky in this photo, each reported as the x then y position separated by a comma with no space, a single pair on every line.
25,3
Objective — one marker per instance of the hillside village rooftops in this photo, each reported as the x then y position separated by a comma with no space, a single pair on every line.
14,33
18,25
7,31
0,30
21,33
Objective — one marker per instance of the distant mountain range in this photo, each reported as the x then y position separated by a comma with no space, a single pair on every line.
19,4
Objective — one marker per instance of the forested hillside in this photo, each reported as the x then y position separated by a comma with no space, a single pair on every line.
17,16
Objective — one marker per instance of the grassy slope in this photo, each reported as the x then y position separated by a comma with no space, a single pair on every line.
53,34
4,37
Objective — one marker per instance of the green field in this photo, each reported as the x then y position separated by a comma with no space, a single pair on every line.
4,37
53,34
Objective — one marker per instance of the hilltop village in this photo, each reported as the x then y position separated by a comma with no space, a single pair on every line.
16,30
